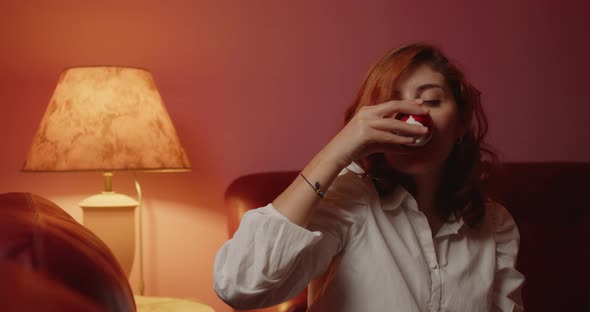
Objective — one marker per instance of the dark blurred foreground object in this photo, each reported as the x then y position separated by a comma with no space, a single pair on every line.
549,202
50,262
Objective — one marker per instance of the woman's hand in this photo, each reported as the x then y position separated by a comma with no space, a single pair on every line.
374,129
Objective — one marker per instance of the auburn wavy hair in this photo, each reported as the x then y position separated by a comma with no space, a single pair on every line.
464,191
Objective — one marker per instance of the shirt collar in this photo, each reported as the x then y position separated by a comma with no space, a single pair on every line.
394,200
452,226
355,168
401,196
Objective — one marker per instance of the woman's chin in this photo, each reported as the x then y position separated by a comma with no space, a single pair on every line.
413,165
414,169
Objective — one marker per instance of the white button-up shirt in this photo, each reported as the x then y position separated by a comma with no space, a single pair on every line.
361,252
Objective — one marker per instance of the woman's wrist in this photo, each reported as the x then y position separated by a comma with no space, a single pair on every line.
300,198
329,160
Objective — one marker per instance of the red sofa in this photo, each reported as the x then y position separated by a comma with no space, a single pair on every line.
49,262
548,202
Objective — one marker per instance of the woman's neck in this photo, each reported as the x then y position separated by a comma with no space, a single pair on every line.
424,188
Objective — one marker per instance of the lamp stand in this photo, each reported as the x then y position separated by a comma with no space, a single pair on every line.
111,216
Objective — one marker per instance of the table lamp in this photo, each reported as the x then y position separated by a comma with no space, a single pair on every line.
108,118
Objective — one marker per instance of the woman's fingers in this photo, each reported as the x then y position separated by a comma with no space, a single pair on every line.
375,129
390,108
386,137
396,126
382,141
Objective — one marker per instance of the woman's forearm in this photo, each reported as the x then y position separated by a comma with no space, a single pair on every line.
299,199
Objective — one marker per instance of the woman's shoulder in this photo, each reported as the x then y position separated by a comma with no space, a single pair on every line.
496,210
499,217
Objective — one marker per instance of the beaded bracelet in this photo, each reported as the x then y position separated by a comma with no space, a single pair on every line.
315,187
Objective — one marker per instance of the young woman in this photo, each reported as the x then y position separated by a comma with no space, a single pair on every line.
374,223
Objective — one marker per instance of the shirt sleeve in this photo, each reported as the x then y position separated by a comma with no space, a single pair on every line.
270,259
508,281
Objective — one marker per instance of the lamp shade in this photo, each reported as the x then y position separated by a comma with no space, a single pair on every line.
106,118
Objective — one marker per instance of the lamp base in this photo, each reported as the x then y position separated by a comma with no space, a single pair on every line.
111,216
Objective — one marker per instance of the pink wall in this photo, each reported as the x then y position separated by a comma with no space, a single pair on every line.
262,86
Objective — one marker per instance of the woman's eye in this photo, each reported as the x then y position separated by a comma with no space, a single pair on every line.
432,102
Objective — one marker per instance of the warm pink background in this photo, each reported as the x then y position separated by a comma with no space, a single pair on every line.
263,86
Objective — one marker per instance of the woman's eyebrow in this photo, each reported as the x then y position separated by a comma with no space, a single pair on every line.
427,86
421,89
